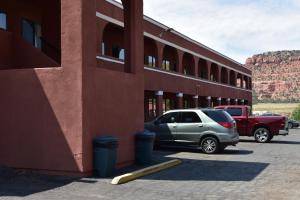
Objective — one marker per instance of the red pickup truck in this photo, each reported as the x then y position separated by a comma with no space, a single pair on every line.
263,128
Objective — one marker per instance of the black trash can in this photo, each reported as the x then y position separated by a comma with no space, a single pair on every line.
144,147
105,155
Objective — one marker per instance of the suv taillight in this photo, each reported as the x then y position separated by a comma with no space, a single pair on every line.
226,124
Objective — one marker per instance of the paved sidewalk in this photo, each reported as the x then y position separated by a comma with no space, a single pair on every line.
248,171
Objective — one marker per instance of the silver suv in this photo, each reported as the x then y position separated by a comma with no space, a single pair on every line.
211,129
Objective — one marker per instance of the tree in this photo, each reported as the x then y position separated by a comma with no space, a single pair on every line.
296,113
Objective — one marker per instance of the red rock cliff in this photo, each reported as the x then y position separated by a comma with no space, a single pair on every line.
276,76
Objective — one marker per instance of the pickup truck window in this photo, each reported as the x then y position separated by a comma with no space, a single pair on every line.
234,111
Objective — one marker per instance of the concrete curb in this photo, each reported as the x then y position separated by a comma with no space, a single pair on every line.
143,172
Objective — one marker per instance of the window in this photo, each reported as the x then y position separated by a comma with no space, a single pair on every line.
166,65
115,51
189,117
187,71
122,54
218,115
169,118
152,108
32,33
168,104
103,48
118,52
3,20
186,104
151,61
234,111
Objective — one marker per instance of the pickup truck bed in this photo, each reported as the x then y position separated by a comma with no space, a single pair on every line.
263,128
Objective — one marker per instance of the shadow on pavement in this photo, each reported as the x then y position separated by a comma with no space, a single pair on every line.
176,149
211,170
284,142
272,141
20,184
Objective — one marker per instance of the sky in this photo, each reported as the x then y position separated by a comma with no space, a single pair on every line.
235,28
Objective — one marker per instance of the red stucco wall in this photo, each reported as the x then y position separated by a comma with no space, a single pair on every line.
50,116
41,109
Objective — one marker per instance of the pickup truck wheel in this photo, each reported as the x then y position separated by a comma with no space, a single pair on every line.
262,135
210,145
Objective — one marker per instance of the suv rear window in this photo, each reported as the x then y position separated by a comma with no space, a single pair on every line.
234,111
218,115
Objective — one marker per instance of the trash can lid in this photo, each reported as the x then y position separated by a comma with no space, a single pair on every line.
145,135
104,140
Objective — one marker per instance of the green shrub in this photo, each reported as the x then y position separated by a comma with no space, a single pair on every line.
296,113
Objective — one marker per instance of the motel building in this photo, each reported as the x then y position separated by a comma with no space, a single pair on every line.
71,70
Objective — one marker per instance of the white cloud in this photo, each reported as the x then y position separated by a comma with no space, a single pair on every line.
236,28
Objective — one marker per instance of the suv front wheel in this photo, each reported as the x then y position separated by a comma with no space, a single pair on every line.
210,145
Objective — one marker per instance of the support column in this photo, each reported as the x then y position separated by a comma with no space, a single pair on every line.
219,78
228,76
208,101
235,79
242,81
196,67
160,54
236,102
134,34
179,64
179,100
208,64
219,101
159,103
195,101
228,101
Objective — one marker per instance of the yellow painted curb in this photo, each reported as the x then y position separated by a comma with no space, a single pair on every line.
143,172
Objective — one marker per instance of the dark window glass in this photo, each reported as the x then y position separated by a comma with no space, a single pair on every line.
168,118
152,108
234,111
115,51
118,52
28,31
32,33
189,117
168,104
3,20
218,115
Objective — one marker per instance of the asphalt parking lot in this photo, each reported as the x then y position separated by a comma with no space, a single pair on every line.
247,171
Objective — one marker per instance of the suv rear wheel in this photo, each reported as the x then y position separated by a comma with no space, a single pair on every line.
210,145
262,135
